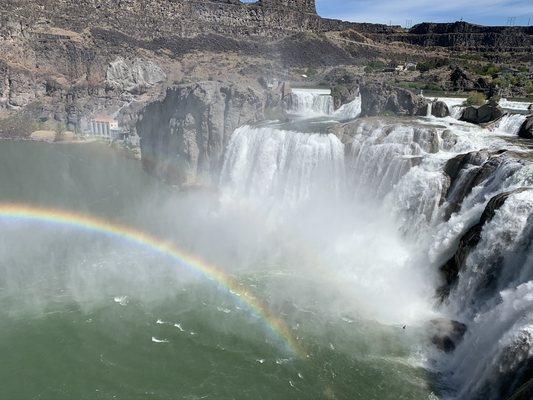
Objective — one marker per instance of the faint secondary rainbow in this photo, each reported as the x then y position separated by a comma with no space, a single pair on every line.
89,223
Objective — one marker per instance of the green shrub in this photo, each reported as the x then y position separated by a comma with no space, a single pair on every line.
476,99
434,63
374,65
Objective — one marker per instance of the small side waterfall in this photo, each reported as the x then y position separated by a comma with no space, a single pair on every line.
510,124
350,110
308,102
319,103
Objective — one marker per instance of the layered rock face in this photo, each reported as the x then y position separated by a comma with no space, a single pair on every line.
184,135
184,18
467,36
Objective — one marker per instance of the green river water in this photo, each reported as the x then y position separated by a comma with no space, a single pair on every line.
89,317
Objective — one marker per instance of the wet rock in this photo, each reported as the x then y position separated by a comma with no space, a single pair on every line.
468,165
481,115
526,130
469,241
446,334
440,109
183,135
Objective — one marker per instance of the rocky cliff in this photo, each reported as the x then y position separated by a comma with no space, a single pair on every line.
462,35
183,136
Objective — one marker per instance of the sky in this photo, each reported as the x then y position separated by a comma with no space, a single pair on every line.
410,12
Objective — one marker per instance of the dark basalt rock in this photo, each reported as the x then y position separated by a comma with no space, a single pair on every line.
526,130
469,241
183,136
446,334
382,99
482,115
469,164
344,85
440,109
461,80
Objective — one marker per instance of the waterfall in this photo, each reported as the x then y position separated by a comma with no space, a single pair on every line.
456,111
462,202
319,103
515,105
446,187
510,124
308,102
429,110
274,166
349,111
497,281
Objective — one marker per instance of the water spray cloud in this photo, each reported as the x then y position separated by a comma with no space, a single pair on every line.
89,223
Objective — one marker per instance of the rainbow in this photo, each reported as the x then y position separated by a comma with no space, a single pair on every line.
182,258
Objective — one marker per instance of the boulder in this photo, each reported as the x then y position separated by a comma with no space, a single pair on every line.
344,86
482,115
382,99
440,109
526,130
461,80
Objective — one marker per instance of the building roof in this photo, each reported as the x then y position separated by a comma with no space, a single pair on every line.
104,118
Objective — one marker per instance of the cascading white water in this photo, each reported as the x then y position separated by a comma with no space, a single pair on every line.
514,105
306,102
317,103
300,178
456,111
395,169
498,285
510,124
350,110
282,167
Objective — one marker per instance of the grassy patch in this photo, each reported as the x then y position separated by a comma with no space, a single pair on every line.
476,99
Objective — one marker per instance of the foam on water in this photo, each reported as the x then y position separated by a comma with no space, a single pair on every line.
156,340
509,124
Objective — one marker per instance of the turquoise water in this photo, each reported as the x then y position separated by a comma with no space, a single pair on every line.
91,317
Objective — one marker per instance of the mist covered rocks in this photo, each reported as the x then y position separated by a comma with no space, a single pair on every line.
183,136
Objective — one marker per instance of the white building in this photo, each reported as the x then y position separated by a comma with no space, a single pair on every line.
106,127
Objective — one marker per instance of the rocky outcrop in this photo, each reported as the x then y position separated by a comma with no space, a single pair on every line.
467,36
526,130
470,240
382,99
446,334
344,85
133,76
440,109
183,136
481,115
